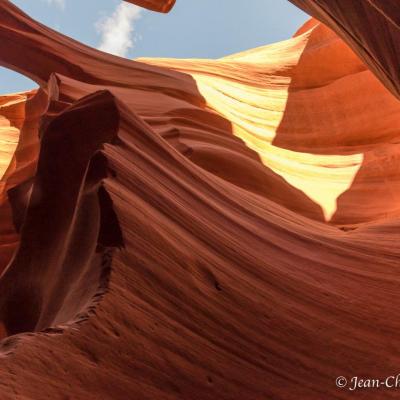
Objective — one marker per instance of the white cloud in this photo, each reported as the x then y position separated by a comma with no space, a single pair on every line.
118,30
60,3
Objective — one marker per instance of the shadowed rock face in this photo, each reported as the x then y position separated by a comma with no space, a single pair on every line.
202,229
371,28
155,5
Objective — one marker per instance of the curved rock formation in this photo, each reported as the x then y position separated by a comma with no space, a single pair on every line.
370,27
200,229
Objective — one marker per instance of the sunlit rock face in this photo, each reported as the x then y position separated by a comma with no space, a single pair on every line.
300,106
201,229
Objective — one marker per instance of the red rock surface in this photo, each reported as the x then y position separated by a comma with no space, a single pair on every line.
370,27
201,229
155,5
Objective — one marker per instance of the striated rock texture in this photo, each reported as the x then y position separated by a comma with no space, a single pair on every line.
202,229
370,27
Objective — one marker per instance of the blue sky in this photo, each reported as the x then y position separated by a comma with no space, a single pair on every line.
194,28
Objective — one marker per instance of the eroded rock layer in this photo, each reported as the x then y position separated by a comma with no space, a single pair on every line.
370,27
200,229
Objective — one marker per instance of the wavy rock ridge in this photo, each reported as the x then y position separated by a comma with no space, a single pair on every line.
247,209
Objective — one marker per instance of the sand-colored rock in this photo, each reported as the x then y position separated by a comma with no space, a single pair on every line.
198,229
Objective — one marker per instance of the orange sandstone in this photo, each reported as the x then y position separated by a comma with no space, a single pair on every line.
201,229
